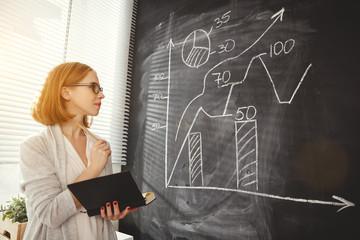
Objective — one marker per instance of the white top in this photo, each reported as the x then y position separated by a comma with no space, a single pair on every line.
89,228
50,207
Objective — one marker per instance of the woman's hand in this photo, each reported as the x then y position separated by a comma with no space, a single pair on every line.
116,215
100,152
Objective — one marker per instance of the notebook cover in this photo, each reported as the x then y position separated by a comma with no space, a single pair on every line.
95,193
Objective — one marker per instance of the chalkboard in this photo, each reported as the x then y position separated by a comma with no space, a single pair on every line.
244,120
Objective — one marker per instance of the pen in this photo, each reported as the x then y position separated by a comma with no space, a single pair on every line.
83,128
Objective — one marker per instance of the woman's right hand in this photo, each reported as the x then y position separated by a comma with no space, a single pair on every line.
99,154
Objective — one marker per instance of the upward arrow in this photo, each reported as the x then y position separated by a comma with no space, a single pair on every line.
169,46
278,16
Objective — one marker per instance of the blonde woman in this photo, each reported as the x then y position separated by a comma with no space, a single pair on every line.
62,154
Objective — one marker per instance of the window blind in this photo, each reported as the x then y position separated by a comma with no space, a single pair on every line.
31,42
98,42
35,36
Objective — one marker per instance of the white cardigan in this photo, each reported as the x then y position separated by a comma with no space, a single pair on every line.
50,207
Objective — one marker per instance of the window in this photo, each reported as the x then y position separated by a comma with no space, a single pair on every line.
36,35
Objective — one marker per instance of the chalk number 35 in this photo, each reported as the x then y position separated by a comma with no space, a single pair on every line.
224,19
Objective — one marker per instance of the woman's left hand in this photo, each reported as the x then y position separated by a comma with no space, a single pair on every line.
116,215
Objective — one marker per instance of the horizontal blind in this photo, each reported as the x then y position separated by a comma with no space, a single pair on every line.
99,36
32,37
37,35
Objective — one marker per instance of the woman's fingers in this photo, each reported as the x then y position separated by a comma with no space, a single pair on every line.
99,142
116,210
133,209
104,147
117,214
99,154
124,212
102,212
109,213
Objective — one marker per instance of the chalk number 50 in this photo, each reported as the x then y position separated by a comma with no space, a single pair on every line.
248,113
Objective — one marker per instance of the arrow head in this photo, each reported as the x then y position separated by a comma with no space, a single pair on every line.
279,14
170,44
344,203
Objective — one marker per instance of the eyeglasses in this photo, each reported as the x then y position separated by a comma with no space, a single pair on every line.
94,86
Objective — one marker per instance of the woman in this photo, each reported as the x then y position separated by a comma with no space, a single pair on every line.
62,154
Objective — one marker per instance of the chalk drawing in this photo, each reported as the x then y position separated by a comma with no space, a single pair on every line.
195,53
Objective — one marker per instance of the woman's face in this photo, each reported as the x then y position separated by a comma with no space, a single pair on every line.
83,100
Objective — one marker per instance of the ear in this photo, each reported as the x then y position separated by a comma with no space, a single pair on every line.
65,93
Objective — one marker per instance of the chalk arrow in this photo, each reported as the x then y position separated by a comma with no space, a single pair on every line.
278,16
342,202
170,44
279,13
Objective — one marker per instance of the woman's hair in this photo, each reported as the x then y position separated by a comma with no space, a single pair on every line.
50,109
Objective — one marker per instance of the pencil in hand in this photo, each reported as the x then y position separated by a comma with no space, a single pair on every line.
87,131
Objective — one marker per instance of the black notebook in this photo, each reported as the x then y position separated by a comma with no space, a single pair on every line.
120,187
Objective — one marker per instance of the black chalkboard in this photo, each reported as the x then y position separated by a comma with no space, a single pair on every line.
244,120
